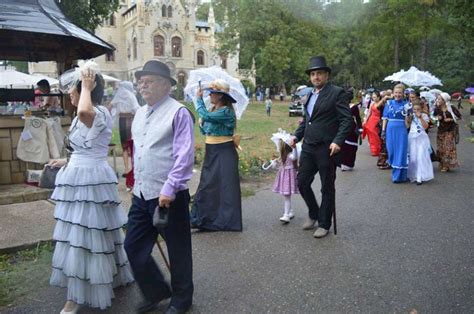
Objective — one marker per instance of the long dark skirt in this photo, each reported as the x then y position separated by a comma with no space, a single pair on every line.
217,204
349,152
382,160
125,129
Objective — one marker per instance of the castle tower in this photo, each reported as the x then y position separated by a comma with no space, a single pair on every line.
212,24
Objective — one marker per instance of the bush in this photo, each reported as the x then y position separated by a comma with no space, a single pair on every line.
179,92
198,154
248,84
250,164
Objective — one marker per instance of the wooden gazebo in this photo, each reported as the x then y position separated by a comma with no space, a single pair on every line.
36,30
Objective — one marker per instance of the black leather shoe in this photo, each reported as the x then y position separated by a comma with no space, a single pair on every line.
174,310
149,306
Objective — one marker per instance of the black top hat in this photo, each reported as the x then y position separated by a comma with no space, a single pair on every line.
317,63
155,67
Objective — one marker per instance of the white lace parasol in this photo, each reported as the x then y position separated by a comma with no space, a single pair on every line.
207,75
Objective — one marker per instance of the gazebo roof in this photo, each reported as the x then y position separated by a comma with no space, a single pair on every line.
37,30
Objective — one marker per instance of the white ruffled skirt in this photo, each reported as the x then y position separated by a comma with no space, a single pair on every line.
89,258
420,167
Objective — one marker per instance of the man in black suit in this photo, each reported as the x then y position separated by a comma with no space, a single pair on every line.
325,126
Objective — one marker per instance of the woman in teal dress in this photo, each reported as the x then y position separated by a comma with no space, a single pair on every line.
217,204
395,132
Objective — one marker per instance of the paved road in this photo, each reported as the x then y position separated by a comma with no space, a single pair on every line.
399,247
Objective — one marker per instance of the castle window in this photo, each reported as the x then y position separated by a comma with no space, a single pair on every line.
163,11
159,45
224,62
110,56
170,11
134,48
176,47
182,78
200,57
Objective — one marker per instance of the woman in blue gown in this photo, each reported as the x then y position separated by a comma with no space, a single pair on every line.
395,132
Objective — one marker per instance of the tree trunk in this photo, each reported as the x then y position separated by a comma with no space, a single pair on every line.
69,109
424,41
424,51
396,53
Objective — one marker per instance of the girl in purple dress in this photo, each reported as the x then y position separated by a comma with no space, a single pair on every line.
285,181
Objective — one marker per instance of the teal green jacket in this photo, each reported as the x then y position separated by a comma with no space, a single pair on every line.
220,122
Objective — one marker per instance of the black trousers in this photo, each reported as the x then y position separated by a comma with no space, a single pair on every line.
141,238
316,159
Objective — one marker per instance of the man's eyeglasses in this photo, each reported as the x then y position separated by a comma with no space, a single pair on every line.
149,82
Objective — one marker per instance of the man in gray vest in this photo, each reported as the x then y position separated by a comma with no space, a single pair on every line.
162,132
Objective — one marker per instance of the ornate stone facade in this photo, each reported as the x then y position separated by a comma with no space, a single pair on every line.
166,30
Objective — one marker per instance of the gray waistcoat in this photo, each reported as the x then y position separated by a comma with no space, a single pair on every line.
153,143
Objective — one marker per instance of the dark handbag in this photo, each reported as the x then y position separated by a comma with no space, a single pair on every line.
160,217
48,177
456,133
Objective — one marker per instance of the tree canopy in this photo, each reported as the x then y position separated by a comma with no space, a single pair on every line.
363,42
88,14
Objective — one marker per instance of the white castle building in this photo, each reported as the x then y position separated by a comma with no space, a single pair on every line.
166,30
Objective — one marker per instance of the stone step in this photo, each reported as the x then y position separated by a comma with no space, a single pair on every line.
22,193
24,225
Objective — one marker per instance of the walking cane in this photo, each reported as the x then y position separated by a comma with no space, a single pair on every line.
334,219
162,253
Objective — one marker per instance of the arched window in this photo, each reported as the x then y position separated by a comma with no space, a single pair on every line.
182,78
110,56
224,62
170,11
176,47
200,57
163,11
159,45
112,20
134,48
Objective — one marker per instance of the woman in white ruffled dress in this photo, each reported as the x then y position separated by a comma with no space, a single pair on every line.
89,258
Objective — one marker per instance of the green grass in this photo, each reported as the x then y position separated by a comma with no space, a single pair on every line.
23,272
116,138
247,191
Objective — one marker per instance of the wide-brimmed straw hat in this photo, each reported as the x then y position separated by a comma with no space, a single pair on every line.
220,86
155,67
